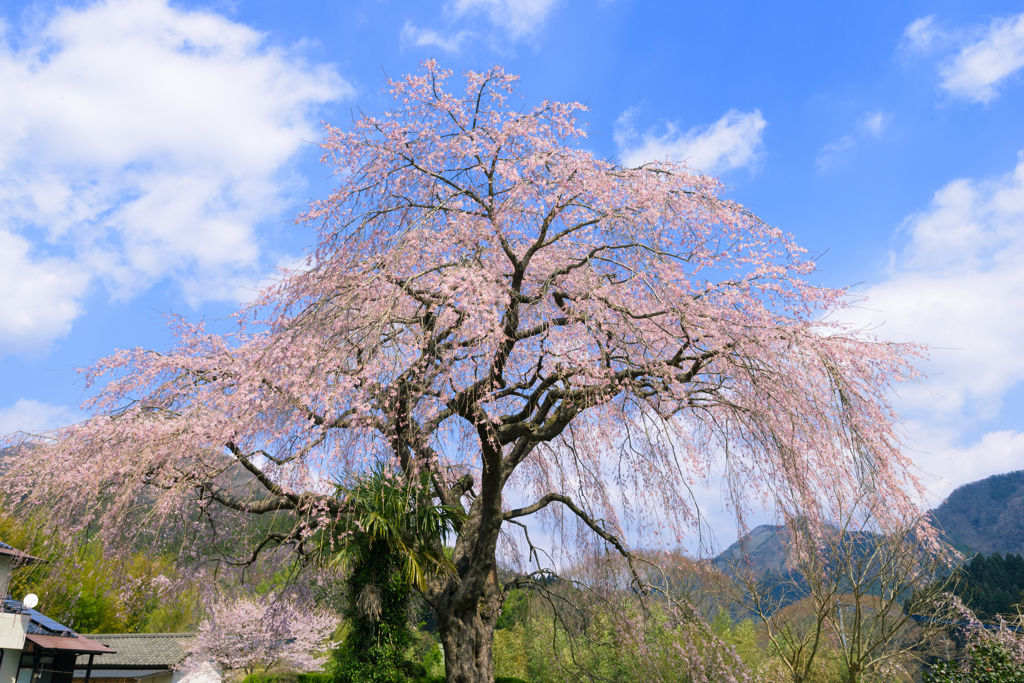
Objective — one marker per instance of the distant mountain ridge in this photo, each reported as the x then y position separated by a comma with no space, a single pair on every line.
985,516
762,549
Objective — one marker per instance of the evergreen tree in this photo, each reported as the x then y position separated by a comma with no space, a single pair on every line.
992,585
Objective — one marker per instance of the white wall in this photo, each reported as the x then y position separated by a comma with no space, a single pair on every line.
9,667
204,673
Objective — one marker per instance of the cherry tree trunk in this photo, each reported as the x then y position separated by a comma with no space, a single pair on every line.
467,609
468,639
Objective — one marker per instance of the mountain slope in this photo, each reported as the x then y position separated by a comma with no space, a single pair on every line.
985,516
762,549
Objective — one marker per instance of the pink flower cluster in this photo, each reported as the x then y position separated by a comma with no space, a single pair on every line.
254,634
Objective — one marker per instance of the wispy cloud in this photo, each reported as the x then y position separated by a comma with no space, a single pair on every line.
833,151
140,142
423,37
982,58
734,141
874,123
871,125
519,18
975,73
34,417
923,35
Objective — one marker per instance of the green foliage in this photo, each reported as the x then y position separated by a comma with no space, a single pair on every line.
280,677
511,652
378,634
85,589
315,678
991,585
391,512
985,663
742,636
515,610
427,651
390,542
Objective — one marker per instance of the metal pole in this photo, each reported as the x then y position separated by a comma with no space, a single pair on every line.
842,629
88,667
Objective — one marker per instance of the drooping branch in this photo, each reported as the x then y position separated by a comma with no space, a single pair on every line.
595,525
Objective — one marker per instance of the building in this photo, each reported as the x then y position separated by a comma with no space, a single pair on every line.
141,658
33,647
37,649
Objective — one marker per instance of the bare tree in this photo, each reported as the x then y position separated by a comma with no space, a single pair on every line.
854,593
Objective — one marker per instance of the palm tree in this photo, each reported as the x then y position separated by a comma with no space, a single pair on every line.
391,541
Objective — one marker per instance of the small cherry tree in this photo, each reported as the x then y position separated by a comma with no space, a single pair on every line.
254,634
543,331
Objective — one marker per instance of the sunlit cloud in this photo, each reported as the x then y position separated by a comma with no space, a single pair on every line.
985,58
422,37
140,142
734,141
519,18
958,286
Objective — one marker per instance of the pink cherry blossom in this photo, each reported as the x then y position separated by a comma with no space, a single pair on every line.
544,331
253,634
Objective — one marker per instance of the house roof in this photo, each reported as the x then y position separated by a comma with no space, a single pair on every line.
119,674
52,635
19,556
39,623
73,643
139,650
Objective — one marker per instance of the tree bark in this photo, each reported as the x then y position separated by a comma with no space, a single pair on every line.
466,628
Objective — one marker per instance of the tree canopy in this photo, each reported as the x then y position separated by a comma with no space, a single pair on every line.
541,330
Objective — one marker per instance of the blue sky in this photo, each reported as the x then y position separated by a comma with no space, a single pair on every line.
153,154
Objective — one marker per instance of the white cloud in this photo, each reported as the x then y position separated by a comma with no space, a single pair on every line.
922,35
874,123
871,124
981,66
39,298
958,285
734,141
952,465
520,18
33,417
140,142
833,151
423,37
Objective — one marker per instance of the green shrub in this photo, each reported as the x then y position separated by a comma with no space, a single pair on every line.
511,659
318,677
278,677
986,663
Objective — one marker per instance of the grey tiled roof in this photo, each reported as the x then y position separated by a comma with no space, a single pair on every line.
138,650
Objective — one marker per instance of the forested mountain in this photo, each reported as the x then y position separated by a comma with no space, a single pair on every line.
985,516
992,585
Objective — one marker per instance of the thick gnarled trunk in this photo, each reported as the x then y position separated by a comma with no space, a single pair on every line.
467,608
468,640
